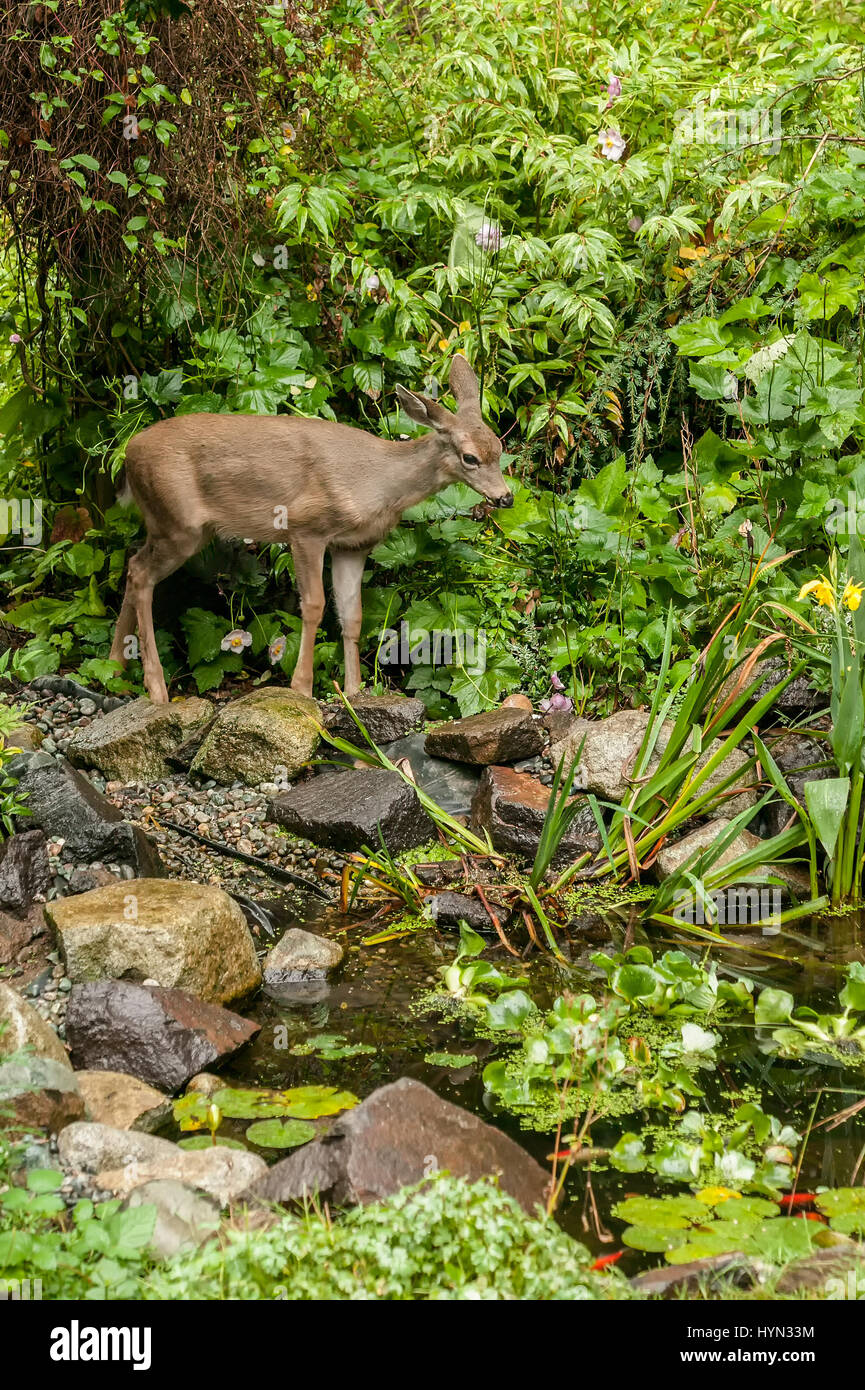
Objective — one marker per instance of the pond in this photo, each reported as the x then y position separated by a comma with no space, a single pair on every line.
374,1001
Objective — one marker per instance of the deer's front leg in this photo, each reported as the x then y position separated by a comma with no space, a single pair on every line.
308,562
347,567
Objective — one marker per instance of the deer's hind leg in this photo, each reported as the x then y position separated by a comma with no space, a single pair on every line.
347,570
308,563
157,559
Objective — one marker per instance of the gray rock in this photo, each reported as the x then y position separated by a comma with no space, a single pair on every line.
672,857
21,1026
183,935
346,810
451,785
799,697
801,759
122,1101
269,733
24,870
132,744
162,1036
503,735
511,806
184,1218
677,1279
25,739
300,955
385,717
392,1139
449,909
64,804
39,1092
609,752
88,1147
122,1160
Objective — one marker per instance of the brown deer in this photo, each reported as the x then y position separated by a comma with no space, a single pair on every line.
311,483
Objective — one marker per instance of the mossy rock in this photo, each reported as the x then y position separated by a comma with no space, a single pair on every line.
261,737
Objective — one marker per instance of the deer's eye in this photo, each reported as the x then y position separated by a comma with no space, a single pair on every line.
471,460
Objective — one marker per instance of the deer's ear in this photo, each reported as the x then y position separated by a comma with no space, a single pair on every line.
463,382
423,409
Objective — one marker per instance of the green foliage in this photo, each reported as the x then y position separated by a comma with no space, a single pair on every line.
714,1222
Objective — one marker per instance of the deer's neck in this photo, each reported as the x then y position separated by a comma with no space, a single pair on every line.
416,471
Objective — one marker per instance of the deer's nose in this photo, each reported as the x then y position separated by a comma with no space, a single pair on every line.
506,501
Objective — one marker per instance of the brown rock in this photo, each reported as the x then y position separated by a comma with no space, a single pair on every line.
39,1092
396,1137
497,736
122,1101
162,1036
512,806
25,874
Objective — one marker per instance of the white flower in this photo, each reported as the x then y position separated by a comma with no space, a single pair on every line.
488,236
236,641
258,259
612,145
276,650
731,387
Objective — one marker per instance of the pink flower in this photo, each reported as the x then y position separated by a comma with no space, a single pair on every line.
15,337
634,224
276,650
555,682
614,89
488,236
612,145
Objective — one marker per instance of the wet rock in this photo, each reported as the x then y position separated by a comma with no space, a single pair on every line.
512,806
18,930
449,909
300,955
25,739
184,1218
672,857
39,1092
694,1274
162,1036
122,1101
346,810
800,759
64,804
451,785
85,880
24,870
207,1083
183,935
385,717
438,873
259,737
388,1142
799,697
21,1026
610,750
221,1172
501,735
133,742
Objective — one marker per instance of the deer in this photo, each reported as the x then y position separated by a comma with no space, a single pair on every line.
314,484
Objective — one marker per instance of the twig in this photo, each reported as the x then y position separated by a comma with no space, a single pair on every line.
283,875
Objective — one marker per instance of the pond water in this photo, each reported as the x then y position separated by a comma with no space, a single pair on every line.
372,1001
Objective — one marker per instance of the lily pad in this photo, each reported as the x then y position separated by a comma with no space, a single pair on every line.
204,1141
330,1047
249,1104
310,1102
672,1212
845,1208
280,1134
454,1060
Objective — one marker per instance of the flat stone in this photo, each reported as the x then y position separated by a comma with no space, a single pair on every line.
346,810
21,1026
511,806
221,1172
385,717
39,1092
260,737
183,935
90,1146
132,743
609,752
184,1218
162,1036
672,857
25,873
676,1279
25,739
503,735
301,955
813,1272
449,909
65,805
114,1098
390,1141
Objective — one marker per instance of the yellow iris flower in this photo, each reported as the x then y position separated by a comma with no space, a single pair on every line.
852,595
822,591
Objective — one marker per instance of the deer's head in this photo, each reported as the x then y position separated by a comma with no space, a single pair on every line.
470,451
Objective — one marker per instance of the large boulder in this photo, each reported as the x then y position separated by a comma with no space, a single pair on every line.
265,735
39,1092
385,717
63,803
394,1138
21,1026
512,807
162,1036
122,1160
301,955
347,810
132,743
673,857
122,1101
504,735
609,752
182,935
184,1218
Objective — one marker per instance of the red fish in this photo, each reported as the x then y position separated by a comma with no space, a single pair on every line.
798,1199
604,1260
